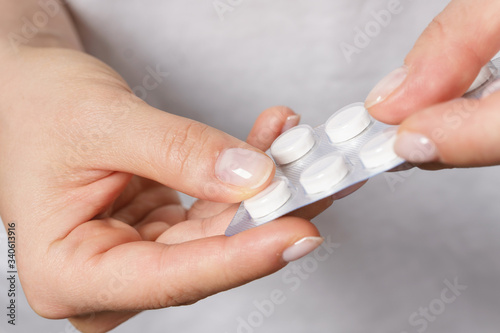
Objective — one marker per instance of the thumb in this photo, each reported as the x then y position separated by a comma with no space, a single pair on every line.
183,154
443,63
463,132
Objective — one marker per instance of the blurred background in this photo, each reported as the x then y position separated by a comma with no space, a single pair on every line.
409,252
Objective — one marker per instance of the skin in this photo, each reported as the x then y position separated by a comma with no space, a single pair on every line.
89,174
88,170
442,65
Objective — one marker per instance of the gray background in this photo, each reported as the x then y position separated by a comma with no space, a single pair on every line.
398,243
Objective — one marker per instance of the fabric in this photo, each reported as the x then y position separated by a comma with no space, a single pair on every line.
411,252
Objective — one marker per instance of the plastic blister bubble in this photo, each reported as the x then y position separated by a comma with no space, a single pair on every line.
314,163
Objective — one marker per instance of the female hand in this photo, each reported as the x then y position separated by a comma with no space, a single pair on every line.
423,96
88,173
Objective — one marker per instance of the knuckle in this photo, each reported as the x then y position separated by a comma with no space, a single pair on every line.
181,146
436,28
440,31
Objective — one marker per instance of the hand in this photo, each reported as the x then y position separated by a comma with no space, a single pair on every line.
436,125
88,171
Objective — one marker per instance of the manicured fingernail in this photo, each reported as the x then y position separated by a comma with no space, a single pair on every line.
416,148
243,167
386,86
291,122
301,248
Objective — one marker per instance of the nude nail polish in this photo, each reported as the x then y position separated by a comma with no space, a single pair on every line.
243,168
386,86
301,248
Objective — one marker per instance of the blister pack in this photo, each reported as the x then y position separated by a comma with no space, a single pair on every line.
487,82
314,163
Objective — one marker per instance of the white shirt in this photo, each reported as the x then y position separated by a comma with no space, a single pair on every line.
404,240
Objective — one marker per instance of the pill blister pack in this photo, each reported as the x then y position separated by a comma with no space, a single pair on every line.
315,163
487,81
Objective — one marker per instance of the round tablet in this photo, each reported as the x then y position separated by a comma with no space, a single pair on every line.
269,200
483,76
379,150
324,173
293,144
347,123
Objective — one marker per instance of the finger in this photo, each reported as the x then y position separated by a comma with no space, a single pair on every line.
148,196
160,220
443,63
152,230
145,275
180,153
270,124
100,322
216,225
311,211
463,132
203,209
348,191
193,229
171,214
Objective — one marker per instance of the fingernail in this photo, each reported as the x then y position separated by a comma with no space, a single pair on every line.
243,167
301,248
291,122
386,86
415,148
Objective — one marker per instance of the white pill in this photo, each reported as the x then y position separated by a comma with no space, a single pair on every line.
269,200
379,150
484,75
293,144
324,173
347,123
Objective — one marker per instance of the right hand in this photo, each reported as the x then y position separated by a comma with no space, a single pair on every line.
438,128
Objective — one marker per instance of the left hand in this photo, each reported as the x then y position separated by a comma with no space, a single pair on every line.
196,235
87,171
